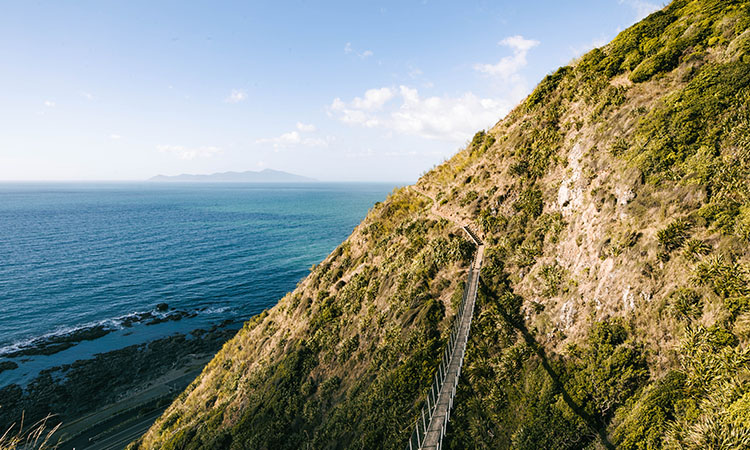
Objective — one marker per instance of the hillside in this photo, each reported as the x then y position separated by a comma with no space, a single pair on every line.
614,305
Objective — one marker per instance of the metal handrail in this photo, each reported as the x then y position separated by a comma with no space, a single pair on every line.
417,437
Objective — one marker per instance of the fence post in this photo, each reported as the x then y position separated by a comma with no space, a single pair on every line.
424,424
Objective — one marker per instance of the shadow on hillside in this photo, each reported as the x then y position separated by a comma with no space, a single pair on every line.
594,425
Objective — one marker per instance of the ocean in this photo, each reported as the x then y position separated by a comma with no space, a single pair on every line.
85,266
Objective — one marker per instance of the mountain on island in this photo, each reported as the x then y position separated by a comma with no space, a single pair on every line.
249,176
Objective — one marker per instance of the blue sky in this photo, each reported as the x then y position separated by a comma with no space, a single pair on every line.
339,91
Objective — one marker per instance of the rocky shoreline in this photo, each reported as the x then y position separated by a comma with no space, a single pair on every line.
57,342
71,391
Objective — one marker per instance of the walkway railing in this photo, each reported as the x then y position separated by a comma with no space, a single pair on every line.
431,425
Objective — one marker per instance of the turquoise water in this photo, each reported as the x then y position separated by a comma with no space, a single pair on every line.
77,256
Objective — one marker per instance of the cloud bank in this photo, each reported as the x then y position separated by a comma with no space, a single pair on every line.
188,153
404,110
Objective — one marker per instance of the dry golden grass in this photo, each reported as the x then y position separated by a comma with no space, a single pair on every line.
36,437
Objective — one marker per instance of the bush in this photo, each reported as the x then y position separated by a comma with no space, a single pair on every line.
674,235
690,119
530,202
643,426
607,370
727,279
552,277
469,198
686,303
742,223
664,61
480,143
547,86
695,248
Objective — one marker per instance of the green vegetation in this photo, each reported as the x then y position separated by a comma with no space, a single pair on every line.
588,331
686,303
351,358
552,277
674,235
695,249
643,426
727,279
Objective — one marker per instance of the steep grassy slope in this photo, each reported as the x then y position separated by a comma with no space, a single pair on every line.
616,205
615,300
344,358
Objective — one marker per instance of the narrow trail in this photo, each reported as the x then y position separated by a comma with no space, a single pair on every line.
430,427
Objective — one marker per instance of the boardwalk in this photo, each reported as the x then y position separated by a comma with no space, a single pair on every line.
430,427
444,404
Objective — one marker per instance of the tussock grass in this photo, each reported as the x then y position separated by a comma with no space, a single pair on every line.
36,437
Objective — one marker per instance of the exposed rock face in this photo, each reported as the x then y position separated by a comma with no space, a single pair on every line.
615,302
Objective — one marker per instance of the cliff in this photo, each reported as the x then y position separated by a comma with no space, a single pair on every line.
614,304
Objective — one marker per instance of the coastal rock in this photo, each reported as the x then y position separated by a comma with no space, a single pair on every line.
7,365
71,390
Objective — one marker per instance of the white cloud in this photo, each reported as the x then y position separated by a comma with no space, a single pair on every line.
452,118
115,137
349,115
306,127
373,99
49,104
88,95
236,96
642,8
189,153
348,49
294,138
359,110
508,67
446,118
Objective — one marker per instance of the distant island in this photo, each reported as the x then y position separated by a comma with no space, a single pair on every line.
263,176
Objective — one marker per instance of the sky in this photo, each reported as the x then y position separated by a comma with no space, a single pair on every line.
335,90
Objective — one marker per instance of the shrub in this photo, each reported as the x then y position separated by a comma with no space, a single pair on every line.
552,277
490,223
695,248
530,202
629,48
547,86
742,222
696,116
480,143
686,303
663,61
607,370
727,279
715,369
674,235
469,197
644,424
618,147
